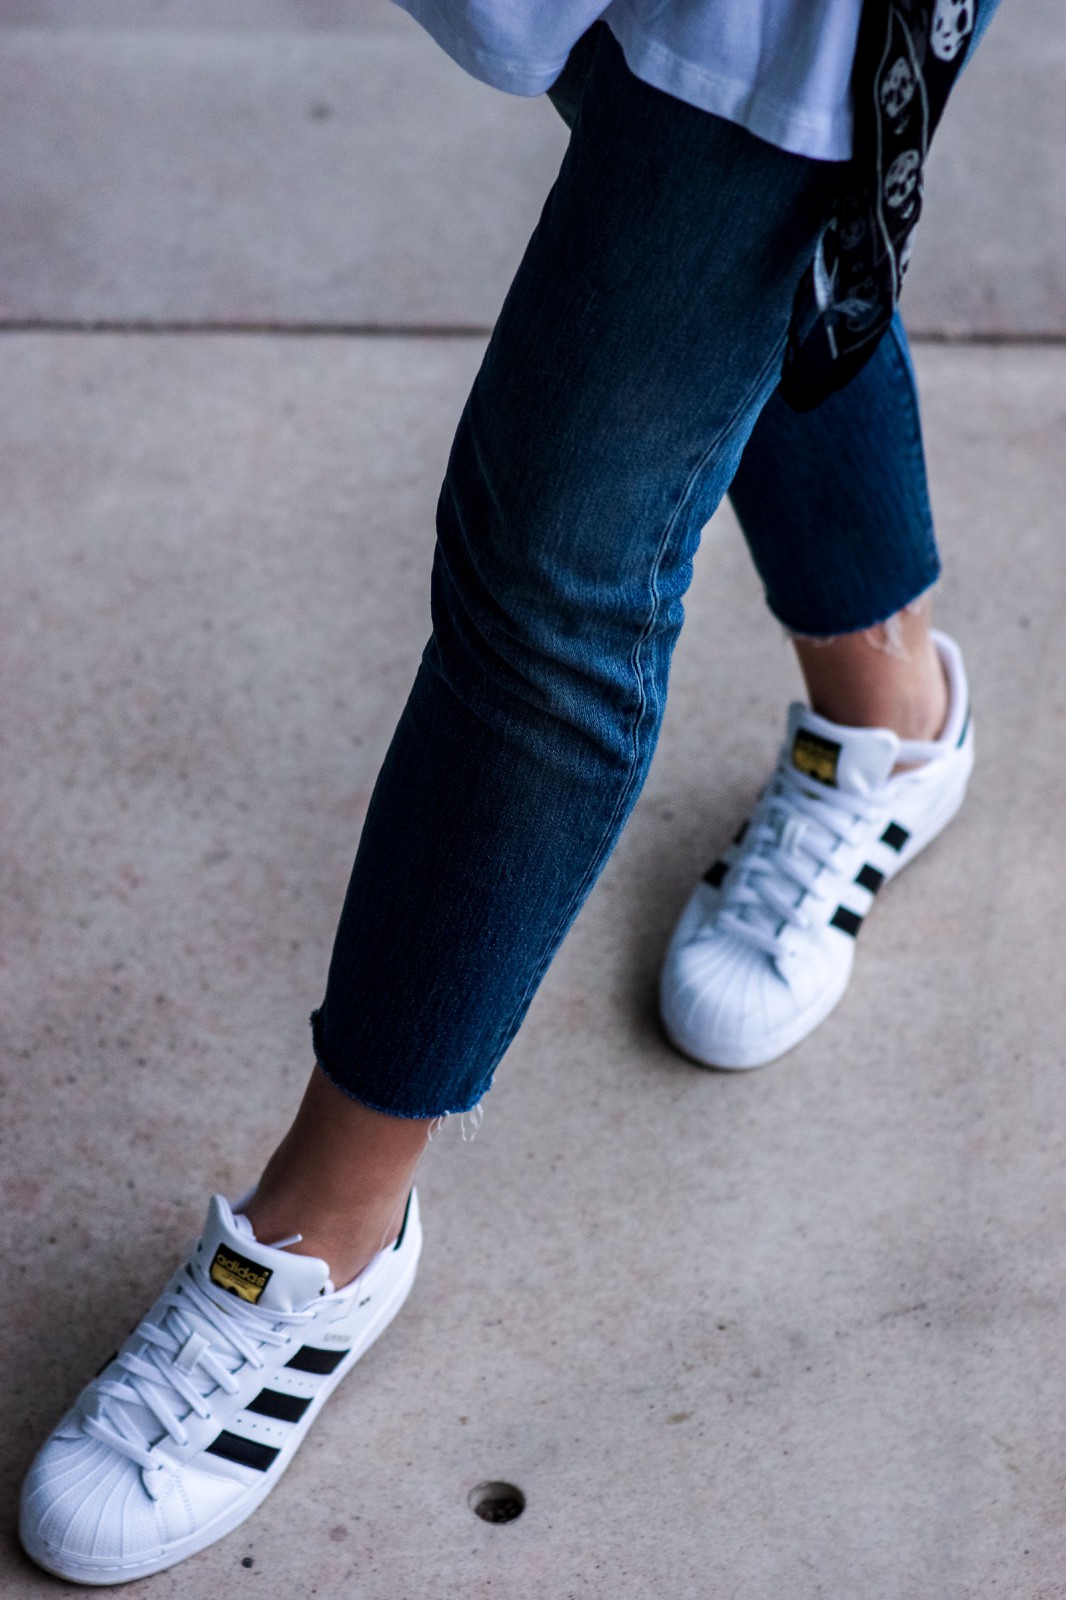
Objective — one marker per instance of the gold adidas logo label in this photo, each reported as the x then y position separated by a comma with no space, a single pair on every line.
815,756
240,1276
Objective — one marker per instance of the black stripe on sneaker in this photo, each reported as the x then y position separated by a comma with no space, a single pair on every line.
738,837
847,921
246,1452
403,1225
284,1407
715,873
320,1361
870,878
895,836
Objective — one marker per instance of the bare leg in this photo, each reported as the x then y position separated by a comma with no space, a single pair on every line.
340,1178
886,677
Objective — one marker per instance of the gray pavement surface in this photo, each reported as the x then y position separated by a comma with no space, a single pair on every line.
345,176
773,1336
790,1333
327,163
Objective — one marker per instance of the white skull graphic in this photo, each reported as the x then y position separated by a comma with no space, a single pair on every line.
897,87
901,180
952,22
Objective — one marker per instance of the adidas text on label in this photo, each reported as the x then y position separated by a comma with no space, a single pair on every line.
190,1425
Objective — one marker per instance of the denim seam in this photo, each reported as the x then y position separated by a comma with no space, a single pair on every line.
584,887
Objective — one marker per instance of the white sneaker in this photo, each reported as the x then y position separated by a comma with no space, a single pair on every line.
765,946
191,1424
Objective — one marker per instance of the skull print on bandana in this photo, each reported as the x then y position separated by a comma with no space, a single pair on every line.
953,22
897,88
908,56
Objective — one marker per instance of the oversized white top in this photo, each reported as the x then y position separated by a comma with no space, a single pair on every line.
780,68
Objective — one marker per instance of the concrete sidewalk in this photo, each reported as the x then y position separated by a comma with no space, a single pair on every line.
771,1336
309,162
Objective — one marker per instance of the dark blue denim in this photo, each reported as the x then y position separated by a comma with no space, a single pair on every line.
834,503
628,384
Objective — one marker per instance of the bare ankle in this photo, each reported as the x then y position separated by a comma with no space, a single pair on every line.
937,703
858,681
346,1240
340,1179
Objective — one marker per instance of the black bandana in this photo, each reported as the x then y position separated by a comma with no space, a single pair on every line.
908,56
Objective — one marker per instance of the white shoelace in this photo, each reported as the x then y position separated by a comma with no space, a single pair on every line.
798,826
192,1333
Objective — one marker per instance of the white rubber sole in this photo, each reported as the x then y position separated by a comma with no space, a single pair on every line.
82,1572
770,1047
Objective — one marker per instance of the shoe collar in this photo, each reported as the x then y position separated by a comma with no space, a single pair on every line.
274,1280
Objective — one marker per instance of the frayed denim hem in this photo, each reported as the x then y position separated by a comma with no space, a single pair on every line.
438,1116
883,633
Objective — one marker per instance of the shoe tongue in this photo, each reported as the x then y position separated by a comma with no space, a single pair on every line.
854,760
276,1280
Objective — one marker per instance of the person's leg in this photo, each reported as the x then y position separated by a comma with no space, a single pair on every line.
640,339
834,504
835,507
839,496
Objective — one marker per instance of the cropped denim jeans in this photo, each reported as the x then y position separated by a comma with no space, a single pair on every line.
629,384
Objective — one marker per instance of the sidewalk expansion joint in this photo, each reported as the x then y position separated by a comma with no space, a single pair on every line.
295,330
988,338
176,326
